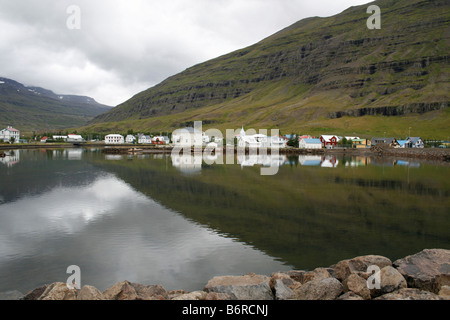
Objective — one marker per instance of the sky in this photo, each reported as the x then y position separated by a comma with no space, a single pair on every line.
111,50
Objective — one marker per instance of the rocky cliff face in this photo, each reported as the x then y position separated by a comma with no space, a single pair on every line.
331,66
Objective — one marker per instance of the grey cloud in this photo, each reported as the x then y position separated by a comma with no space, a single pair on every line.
124,47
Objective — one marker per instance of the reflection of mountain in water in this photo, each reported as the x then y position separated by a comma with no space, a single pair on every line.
305,216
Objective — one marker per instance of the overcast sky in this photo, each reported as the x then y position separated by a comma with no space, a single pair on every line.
125,46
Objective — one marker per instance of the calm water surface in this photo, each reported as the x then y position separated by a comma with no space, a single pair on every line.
172,221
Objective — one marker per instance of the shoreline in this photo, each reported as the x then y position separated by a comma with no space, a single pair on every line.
421,276
435,154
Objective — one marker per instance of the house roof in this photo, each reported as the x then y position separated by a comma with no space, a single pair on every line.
414,139
383,140
11,129
312,141
329,137
114,135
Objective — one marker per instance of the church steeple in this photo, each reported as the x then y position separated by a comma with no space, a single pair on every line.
242,133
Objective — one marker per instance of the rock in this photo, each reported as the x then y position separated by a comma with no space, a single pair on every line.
282,291
58,291
305,276
126,290
427,270
217,296
90,293
196,295
248,287
358,285
350,296
153,292
359,265
325,289
175,293
285,278
11,295
445,292
391,280
35,294
121,291
410,294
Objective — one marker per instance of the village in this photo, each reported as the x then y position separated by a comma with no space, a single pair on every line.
191,136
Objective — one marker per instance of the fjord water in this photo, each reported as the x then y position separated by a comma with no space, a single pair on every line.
157,219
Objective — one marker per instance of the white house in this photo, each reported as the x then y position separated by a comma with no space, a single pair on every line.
74,138
143,139
310,143
415,142
8,133
64,138
188,137
260,141
130,139
114,139
278,142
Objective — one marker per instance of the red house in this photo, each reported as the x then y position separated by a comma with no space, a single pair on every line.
329,141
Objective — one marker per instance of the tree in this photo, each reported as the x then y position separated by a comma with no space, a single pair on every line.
293,141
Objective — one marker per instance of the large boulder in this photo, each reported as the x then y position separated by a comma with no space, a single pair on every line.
323,289
427,270
58,291
248,287
90,293
359,265
391,280
35,293
126,290
358,285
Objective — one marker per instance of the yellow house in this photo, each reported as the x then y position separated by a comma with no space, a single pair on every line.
361,143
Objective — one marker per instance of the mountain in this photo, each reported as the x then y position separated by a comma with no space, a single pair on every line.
34,108
318,75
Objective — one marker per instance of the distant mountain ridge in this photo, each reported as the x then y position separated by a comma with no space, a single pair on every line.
35,108
332,73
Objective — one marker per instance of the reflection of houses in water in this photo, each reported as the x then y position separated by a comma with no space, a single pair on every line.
10,158
74,154
316,161
259,159
188,163
310,160
113,157
69,154
408,164
329,162
358,162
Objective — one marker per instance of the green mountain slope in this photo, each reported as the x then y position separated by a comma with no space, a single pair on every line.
33,108
320,74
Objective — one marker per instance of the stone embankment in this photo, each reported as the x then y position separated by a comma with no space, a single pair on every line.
422,276
440,154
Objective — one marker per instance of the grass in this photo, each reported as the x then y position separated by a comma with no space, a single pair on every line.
295,78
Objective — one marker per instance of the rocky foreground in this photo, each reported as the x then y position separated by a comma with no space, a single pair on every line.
423,276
